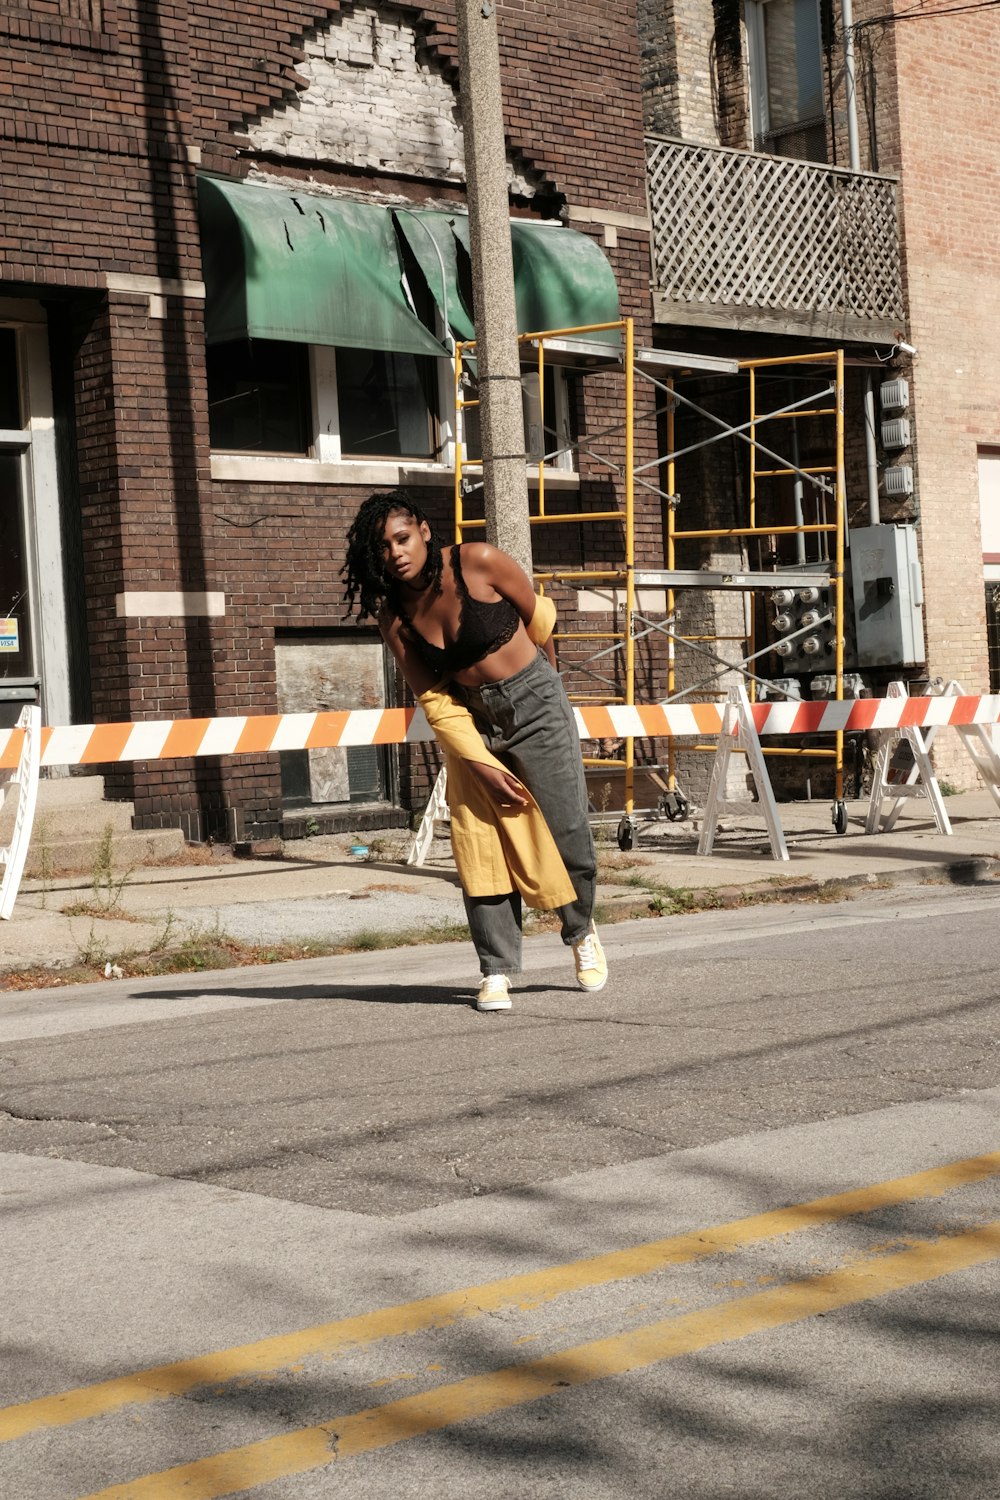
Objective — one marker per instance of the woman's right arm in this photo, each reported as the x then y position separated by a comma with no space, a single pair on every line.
416,673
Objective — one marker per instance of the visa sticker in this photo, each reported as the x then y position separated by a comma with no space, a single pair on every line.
9,635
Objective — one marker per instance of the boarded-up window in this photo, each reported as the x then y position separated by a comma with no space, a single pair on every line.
319,674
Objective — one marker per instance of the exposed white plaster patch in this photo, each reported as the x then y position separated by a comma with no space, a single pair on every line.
376,100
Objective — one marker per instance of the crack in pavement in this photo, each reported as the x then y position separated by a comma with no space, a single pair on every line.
24,1117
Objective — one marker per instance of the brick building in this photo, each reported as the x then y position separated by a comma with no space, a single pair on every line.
188,420
803,227
187,425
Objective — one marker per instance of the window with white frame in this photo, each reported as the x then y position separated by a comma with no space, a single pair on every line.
276,398
785,50
548,424
339,405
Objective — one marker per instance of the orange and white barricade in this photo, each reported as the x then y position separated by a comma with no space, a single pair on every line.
166,739
737,723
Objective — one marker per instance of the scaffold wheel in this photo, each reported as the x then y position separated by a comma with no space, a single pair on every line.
626,833
840,817
674,805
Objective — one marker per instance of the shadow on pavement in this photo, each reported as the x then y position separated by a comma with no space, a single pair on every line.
371,994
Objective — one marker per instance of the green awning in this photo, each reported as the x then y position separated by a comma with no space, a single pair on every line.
304,269
561,277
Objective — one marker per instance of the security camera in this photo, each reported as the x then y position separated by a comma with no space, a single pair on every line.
904,348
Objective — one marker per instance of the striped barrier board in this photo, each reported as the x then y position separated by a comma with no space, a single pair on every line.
166,739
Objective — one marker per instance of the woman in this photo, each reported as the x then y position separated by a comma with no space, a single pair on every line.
465,628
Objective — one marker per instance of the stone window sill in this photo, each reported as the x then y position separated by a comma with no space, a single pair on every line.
245,469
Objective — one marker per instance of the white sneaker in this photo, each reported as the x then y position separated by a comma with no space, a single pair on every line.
591,965
494,993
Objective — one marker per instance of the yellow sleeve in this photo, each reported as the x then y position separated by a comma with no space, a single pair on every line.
454,727
496,849
543,621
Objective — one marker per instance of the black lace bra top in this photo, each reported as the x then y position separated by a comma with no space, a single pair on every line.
482,628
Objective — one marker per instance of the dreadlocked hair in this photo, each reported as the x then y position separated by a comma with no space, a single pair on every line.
363,571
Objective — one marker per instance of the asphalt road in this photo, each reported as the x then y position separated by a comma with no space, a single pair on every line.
390,1247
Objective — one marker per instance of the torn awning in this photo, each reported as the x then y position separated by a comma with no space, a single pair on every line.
561,277
304,269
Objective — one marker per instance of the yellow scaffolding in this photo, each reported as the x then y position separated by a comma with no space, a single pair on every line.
543,517
827,481
829,485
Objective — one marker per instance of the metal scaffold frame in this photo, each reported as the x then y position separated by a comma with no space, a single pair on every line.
828,484
659,367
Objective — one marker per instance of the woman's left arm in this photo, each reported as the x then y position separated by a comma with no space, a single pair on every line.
497,568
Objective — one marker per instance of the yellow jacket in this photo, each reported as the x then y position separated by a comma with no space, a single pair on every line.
497,849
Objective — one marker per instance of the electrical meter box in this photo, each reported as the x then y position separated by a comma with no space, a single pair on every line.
888,596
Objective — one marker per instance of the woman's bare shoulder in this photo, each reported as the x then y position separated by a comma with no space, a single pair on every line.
483,558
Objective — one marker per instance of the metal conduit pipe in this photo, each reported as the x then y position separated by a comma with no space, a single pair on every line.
871,457
797,496
853,149
854,161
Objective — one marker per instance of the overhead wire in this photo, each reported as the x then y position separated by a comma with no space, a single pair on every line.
917,13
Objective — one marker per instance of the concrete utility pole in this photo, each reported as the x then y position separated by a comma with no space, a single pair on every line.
500,413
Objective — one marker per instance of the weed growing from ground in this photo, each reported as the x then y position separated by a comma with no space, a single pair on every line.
108,885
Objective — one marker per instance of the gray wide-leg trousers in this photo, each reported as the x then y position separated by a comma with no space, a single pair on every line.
528,724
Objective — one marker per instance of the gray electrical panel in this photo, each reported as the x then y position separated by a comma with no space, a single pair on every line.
888,596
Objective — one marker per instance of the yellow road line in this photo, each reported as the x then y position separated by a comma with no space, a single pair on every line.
441,1311
481,1395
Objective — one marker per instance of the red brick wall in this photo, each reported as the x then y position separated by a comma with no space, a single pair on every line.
107,109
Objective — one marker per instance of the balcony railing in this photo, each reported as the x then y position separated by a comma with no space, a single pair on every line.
751,241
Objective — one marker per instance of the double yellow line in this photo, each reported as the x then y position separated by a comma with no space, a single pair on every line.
382,1426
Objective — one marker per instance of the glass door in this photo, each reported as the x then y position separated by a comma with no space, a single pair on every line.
16,656
15,625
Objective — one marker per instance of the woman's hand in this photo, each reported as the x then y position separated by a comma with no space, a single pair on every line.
505,789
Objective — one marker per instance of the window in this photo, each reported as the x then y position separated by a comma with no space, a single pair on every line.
548,432
10,384
35,652
993,634
15,617
786,77
258,397
387,404
265,396
989,517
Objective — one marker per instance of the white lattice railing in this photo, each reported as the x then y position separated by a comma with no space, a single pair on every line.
737,228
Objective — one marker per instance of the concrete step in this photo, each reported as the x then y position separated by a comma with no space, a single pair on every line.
131,850
86,821
71,830
69,791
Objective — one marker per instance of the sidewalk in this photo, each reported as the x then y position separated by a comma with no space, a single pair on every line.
319,894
